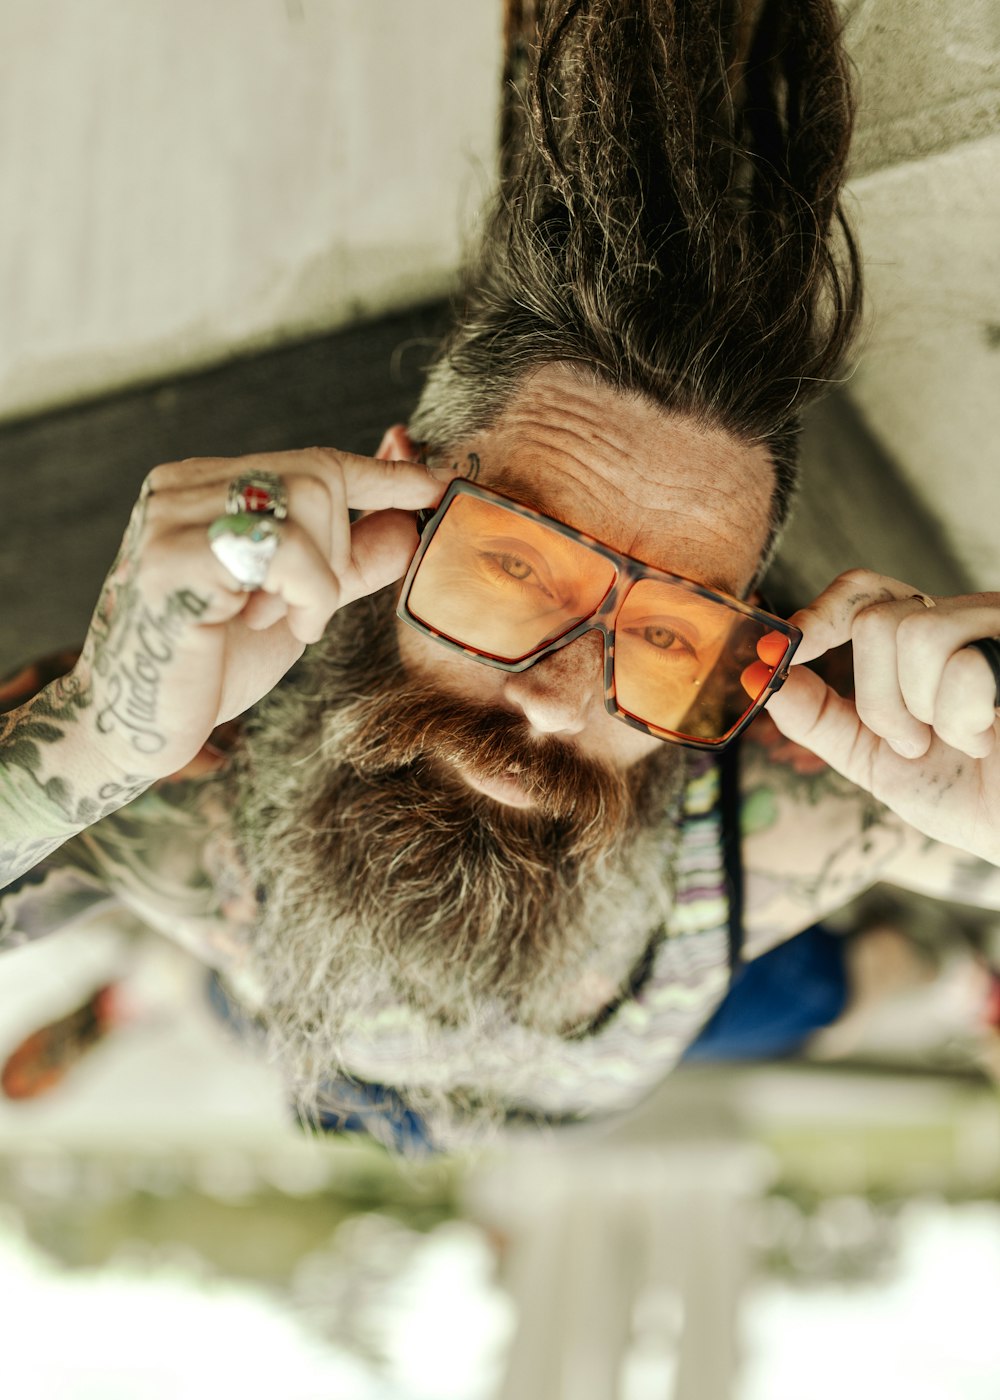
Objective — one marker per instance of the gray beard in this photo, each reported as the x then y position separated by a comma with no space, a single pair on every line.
387,880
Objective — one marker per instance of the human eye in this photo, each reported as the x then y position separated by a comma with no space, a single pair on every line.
508,565
517,568
665,639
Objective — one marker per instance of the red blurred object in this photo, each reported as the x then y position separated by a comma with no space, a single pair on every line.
44,1059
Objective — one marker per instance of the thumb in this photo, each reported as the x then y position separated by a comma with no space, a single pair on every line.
808,712
382,545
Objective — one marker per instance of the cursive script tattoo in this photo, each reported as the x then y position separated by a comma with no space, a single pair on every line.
132,665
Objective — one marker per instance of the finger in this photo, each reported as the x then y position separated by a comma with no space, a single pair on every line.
382,546
263,610
339,525
878,697
298,574
310,504
375,485
809,713
369,484
930,637
828,621
303,578
964,714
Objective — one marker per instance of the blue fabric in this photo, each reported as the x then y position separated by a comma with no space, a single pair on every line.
373,1109
777,1001
378,1111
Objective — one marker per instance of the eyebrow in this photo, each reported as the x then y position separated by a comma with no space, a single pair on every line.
520,488
510,482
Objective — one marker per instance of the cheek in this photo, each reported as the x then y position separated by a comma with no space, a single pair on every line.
624,746
424,659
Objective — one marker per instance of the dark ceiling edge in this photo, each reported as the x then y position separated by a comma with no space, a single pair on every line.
432,310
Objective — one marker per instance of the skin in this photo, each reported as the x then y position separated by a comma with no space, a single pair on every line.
695,502
691,502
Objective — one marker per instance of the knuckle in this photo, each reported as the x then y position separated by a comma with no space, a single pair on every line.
157,478
857,577
966,671
312,496
168,476
157,509
878,714
954,733
964,707
912,627
916,635
327,459
876,625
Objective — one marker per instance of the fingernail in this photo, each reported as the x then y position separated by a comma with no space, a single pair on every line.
906,748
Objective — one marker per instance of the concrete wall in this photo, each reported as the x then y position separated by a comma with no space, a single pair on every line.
928,384
183,178
926,200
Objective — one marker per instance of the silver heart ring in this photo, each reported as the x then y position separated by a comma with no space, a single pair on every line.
245,546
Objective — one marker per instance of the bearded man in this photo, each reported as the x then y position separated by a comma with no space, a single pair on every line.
478,853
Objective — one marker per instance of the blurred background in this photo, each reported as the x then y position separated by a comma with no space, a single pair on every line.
230,226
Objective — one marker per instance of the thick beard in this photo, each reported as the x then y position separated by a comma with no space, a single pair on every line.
388,880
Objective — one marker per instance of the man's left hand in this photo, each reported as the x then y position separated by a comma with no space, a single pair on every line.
921,733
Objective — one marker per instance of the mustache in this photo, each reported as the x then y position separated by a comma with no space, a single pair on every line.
421,727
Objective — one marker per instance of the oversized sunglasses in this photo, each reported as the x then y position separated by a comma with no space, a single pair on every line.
507,586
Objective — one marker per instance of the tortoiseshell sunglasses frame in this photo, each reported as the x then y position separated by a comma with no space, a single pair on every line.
627,572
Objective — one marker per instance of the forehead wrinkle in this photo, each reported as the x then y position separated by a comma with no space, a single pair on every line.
569,456
510,481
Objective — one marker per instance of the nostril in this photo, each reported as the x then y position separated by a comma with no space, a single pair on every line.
557,694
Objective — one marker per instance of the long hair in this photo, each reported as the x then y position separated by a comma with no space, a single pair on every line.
669,215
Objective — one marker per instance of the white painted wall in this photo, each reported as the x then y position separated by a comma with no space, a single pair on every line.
184,178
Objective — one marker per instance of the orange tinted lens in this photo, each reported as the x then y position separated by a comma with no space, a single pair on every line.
503,585
680,660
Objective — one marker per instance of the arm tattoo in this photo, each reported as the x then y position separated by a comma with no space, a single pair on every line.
39,808
129,644
812,842
42,800
132,662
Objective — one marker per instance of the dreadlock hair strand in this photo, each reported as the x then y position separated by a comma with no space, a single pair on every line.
669,216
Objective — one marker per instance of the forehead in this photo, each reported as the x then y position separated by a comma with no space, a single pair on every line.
656,486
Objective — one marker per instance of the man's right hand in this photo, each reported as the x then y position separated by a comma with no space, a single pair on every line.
175,648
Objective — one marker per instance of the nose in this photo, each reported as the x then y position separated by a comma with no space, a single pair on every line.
559,694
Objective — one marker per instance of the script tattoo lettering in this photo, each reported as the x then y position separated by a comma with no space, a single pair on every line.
133,669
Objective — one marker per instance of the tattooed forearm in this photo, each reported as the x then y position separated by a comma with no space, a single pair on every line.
811,842
48,790
130,645
945,872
